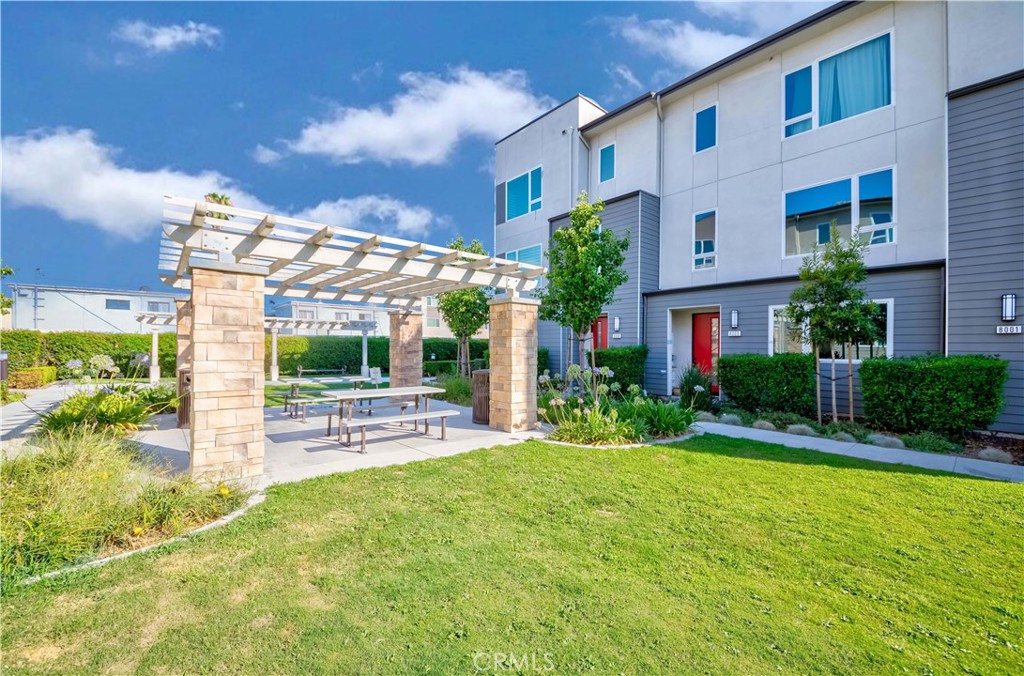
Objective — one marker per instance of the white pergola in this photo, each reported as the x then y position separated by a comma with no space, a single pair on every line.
318,261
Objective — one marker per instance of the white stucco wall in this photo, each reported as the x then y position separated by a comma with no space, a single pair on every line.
986,40
83,310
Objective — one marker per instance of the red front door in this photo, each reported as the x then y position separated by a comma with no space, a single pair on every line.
600,329
706,345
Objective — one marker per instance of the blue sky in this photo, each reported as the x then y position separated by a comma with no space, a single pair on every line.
380,117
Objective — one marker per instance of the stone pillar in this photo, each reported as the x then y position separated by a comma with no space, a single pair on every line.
184,343
275,370
406,348
364,371
154,358
228,346
513,348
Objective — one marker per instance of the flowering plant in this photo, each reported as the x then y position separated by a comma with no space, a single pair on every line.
104,364
581,408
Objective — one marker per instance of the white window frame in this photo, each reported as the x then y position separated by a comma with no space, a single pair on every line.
436,322
529,191
693,238
600,160
106,304
299,311
338,316
157,303
890,324
855,228
695,113
891,32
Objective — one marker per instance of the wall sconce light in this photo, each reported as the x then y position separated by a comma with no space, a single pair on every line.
616,323
1009,307
735,319
433,356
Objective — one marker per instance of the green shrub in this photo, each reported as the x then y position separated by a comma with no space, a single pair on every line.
78,496
757,382
783,419
24,348
119,412
626,362
447,349
854,429
695,389
38,376
662,419
63,346
543,355
592,426
930,443
449,367
6,396
457,390
346,352
946,395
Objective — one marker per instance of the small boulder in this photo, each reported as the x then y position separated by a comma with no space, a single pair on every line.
885,441
706,416
996,455
802,430
843,437
730,419
764,425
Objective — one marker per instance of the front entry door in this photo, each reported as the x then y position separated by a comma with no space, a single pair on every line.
706,345
600,330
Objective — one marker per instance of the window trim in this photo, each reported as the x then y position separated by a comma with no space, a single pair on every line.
855,228
693,238
890,326
600,163
697,112
891,32
529,191
127,301
435,325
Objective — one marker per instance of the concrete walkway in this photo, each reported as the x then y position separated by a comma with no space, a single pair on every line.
947,463
18,418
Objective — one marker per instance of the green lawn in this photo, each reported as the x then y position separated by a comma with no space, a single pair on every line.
712,556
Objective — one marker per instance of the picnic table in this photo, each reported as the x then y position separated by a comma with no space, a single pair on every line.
296,383
346,398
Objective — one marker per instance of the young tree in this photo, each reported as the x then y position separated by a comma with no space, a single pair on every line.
5,301
584,270
832,308
464,310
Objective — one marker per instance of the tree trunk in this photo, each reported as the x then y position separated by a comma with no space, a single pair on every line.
593,357
817,379
835,414
849,371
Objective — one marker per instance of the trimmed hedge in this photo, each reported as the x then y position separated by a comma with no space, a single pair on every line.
24,348
449,366
60,347
757,382
945,395
626,362
30,378
327,353
447,349
542,360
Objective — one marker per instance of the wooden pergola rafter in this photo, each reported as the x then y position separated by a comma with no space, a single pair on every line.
318,261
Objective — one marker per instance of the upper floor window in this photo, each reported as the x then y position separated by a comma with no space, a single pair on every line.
341,316
531,255
706,128
523,194
867,200
305,314
433,322
158,306
364,316
118,304
608,163
431,301
704,226
849,83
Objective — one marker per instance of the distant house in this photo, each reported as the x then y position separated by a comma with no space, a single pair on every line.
67,308
330,312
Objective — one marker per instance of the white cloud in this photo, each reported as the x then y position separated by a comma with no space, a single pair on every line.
623,79
265,155
68,172
371,72
162,39
423,124
762,18
374,212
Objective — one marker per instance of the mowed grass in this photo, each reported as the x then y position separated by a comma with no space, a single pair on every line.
712,556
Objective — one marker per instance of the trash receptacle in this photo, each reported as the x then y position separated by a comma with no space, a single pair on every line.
184,396
3,364
482,397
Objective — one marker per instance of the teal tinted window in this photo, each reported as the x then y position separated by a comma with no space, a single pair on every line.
798,93
855,81
535,185
706,134
798,127
530,255
608,163
517,197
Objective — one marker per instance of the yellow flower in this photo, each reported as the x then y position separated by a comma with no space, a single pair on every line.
137,530
223,489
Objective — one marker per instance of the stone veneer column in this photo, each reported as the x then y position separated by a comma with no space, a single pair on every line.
184,334
228,349
513,348
406,348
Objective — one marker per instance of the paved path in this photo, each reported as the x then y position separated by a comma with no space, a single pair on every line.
18,418
948,463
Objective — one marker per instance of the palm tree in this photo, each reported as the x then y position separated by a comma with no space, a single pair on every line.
217,198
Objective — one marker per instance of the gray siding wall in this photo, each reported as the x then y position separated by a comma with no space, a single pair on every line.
986,231
917,318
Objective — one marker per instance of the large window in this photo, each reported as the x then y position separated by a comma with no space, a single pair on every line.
118,304
608,163
523,194
704,231
158,306
786,337
530,255
867,200
849,83
706,129
341,316
305,314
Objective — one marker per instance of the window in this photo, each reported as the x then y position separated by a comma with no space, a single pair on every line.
158,306
364,316
608,163
431,301
305,314
849,83
523,194
530,255
433,322
867,200
704,240
118,304
341,316
786,337
705,128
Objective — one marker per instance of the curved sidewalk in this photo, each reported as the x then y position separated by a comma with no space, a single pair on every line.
946,463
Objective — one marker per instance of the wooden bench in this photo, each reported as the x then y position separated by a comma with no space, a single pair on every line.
363,423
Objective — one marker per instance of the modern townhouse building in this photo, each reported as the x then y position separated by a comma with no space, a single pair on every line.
46,307
902,123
